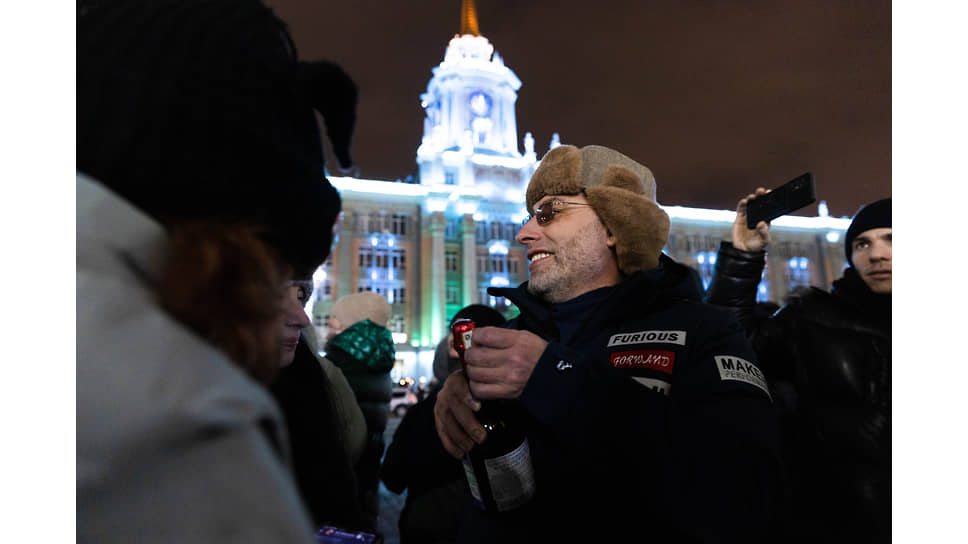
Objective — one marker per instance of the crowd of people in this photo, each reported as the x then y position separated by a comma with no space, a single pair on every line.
206,412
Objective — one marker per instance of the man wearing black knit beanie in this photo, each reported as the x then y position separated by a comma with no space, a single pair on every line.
827,357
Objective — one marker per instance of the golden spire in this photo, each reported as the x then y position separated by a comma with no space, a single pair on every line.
468,18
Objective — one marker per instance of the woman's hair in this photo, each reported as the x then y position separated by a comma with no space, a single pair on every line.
222,282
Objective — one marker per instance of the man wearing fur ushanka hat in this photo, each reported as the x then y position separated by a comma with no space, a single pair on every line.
643,410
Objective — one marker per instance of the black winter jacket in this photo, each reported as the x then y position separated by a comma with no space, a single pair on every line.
417,462
827,357
365,353
321,468
649,421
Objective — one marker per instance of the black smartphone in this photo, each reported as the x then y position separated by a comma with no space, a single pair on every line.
335,535
789,197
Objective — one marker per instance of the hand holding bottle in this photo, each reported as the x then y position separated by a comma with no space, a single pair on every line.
501,361
500,475
454,409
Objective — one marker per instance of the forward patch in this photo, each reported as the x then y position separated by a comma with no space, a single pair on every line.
653,359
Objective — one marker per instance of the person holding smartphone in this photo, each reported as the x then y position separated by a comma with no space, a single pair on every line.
827,357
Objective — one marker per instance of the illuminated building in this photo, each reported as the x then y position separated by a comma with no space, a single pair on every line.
434,246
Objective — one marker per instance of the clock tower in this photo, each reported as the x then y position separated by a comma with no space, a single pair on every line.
470,131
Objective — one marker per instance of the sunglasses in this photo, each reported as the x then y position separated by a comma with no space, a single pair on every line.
546,212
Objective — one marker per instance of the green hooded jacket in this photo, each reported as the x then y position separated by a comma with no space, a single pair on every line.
369,348
365,353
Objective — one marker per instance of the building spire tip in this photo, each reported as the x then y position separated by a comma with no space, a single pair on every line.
468,18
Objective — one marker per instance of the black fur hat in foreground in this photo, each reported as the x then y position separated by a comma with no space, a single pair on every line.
199,109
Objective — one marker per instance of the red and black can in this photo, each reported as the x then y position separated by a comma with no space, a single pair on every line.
462,330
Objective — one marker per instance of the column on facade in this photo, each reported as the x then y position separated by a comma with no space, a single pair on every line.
456,128
433,280
820,262
776,272
344,282
833,258
468,251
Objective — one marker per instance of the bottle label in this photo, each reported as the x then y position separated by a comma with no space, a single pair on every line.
472,481
511,477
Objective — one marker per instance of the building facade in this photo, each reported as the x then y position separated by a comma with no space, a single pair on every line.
435,246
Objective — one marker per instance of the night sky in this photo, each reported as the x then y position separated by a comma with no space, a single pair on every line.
716,97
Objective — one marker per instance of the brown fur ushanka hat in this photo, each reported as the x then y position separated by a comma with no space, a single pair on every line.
620,190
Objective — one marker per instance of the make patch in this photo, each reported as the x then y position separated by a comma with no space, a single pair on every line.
662,361
648,337
737,369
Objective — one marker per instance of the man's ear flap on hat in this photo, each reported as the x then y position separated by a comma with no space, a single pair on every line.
621,177
639,227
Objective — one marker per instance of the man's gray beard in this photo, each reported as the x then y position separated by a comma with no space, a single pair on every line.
539,292
561,285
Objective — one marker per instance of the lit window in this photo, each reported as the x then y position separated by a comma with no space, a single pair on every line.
398,324
398,259
366,257
398,224
453,229
510,231
453,294
451,261
763,289
798,272
706,263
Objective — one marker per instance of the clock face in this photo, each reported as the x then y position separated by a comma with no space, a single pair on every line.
480,104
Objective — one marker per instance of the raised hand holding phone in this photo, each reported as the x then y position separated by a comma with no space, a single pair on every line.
745,238
787,198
